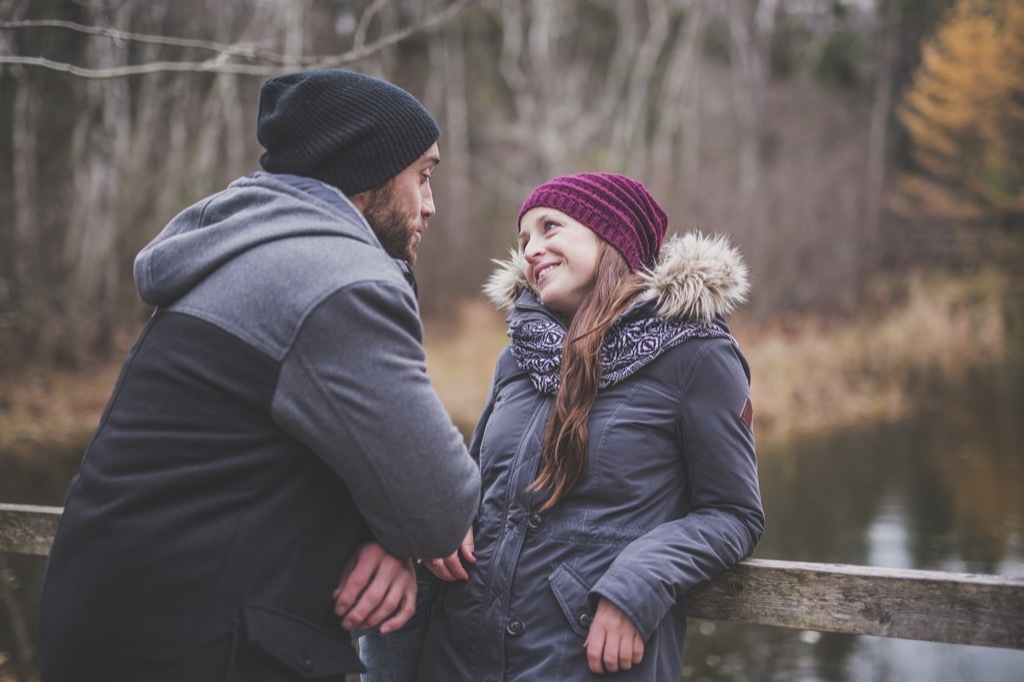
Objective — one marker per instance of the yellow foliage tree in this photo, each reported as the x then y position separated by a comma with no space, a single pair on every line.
964,113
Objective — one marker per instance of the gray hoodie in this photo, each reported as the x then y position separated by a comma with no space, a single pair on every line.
274,413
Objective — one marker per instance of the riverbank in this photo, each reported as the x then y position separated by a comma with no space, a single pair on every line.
811,374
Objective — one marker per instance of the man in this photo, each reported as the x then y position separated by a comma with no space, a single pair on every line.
274,421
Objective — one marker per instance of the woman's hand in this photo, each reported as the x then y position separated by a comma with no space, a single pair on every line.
376,588
450,568
613,643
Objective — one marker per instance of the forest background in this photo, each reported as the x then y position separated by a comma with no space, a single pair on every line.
867,157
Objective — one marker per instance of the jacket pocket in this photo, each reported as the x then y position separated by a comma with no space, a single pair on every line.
305,649
571,594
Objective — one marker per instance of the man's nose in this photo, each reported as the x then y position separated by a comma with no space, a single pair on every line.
427,210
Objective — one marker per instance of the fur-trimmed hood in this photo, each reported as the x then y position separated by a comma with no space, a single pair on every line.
696,277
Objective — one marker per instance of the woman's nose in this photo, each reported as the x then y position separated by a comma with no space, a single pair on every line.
533,250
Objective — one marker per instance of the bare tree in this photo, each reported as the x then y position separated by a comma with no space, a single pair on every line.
748,82
95,219
178,128
675,143
679,93
887,37
225,55
24,172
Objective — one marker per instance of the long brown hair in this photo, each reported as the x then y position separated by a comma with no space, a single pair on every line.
563,457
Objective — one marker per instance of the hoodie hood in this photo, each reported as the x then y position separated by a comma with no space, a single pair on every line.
250,212
696,278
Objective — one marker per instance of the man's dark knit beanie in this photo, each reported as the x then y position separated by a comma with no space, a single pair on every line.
350,130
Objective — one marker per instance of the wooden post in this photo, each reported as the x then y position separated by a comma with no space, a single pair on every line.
28,529
19,624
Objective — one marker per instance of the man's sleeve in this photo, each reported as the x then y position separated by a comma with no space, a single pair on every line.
354,388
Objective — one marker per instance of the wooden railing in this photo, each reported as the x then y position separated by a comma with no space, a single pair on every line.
956,608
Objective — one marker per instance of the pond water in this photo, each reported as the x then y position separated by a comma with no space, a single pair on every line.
943,490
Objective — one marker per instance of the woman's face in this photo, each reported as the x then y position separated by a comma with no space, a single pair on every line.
561,258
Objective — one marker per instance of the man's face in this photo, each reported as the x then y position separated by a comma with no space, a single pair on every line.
399,210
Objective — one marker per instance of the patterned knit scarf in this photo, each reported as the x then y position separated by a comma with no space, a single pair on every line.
628,347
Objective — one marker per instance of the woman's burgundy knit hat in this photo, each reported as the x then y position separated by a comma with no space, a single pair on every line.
619,209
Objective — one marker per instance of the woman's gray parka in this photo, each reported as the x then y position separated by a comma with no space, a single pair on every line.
669,497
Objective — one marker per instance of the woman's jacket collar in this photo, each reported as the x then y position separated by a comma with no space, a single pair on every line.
696,278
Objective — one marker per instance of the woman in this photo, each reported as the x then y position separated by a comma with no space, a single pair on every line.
616,449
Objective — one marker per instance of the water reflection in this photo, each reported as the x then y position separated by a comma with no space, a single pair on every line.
887,536
941,491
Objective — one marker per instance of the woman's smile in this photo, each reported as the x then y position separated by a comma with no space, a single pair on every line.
542,271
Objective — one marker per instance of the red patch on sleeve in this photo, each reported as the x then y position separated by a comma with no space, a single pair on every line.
747,414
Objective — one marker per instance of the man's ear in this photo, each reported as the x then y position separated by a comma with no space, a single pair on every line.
360,200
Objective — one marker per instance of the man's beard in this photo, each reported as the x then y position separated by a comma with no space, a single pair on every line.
393,228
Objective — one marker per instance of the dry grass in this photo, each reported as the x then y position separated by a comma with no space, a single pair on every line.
52,410
813,376
809,375
460,358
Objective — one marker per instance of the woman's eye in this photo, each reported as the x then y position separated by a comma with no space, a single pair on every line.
550,225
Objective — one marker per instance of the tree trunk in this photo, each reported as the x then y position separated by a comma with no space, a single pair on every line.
27,284
747,88
677,132
292,17
881,107
92,246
